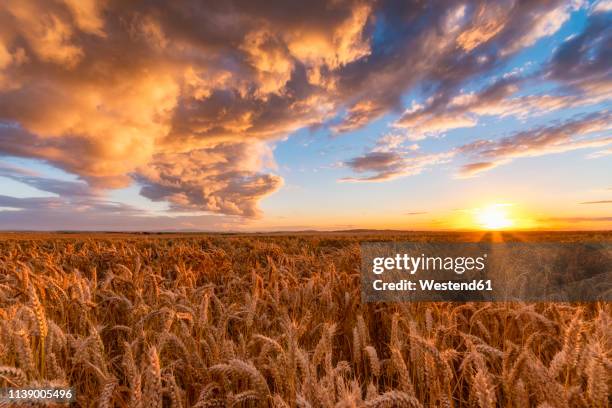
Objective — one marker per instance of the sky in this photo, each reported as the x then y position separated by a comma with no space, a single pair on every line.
274,115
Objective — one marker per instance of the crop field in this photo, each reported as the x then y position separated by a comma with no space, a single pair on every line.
181,320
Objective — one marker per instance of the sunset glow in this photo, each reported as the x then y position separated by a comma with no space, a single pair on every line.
294,116
494,217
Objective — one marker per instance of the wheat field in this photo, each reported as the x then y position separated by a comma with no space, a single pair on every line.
277,321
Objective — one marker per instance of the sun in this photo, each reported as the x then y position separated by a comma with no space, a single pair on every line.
494,217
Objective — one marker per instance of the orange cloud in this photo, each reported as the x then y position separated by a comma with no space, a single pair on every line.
181,98
186,98
488,22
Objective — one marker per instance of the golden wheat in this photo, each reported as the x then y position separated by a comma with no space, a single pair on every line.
276,321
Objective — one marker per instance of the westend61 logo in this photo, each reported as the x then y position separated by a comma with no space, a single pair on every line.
393,271
412,264
442,265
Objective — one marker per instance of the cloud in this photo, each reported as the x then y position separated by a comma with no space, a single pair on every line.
583,61
471,169
75,205
70,197
205,179
115,92
31,203
577,219
564,137
548,24
580,67
389,165
598,202
359,115
7,170
446,112
602,6
62,188
600,153
58,205
459,43
53,213
187,98
390,159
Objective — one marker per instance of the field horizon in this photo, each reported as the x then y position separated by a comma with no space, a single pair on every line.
211,320
467,233
315,204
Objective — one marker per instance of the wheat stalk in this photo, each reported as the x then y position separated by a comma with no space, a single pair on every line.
152,383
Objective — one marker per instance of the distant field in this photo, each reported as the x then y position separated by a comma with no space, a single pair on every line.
275,320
